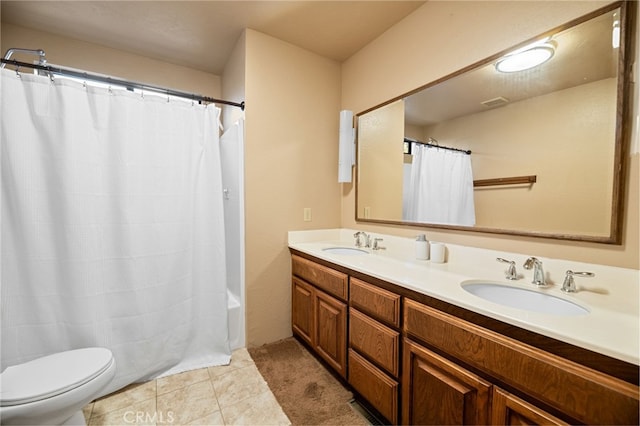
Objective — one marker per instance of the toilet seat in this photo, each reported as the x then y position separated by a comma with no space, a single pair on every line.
52,375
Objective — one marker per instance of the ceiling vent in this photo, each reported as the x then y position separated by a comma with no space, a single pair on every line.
495,102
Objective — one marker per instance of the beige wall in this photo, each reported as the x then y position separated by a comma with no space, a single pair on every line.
291,162
78,54
438,39
233,82
380,135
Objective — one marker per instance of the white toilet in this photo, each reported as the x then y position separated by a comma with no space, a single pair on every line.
52,390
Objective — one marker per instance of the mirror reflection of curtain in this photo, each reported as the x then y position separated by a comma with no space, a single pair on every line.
440,187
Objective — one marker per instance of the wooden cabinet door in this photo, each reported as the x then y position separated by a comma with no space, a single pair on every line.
303,310
331,331
435,391
508,409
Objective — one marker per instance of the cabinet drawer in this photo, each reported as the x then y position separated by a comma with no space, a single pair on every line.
584,394
375,341
376,387
331,281
376,302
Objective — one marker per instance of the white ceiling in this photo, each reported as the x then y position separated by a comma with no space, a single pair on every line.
202,34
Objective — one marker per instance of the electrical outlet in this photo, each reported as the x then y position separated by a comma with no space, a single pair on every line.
307,214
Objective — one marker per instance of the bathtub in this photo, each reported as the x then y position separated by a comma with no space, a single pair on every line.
236,321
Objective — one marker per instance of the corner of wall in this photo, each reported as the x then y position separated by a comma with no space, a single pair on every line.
293,105
233,81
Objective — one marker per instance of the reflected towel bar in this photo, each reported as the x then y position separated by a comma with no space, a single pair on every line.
515,180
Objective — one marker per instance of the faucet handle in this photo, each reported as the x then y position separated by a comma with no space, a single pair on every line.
376,246
569,284
367,239
510,273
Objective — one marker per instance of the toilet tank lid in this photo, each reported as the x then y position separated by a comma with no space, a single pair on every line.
52,375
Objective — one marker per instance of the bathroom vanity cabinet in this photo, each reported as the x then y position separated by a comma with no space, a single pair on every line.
578,392
319,310
420,360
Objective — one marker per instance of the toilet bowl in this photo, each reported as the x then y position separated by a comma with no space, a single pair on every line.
52,390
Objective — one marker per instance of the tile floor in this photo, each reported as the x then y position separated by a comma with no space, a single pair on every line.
235,394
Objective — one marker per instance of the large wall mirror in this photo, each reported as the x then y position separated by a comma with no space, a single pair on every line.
497,148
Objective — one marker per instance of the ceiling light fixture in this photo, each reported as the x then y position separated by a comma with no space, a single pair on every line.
527,57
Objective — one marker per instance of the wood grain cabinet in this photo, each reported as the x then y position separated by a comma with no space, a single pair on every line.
437,391
318,316
580,394
303,306
374,346
508,409
417,360
331,331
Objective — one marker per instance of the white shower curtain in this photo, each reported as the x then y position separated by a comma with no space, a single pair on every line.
112,227
440,187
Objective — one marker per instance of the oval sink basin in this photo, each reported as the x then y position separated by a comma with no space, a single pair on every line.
520,298
349,251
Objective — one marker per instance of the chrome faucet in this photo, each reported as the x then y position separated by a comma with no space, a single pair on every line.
367,239
569,285
510,273
538,272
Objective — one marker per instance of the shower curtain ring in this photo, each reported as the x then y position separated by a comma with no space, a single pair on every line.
18,72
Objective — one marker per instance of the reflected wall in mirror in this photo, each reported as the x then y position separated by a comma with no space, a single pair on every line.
560,128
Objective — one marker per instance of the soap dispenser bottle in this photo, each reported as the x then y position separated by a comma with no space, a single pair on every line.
422,247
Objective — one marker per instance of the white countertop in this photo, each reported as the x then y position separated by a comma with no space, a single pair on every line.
612,326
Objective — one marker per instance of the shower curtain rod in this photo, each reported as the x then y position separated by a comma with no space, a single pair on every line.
116,81
434,143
